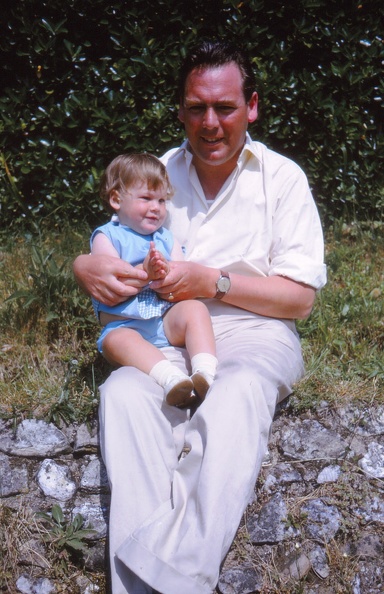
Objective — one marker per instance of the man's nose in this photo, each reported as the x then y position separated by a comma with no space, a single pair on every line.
210,118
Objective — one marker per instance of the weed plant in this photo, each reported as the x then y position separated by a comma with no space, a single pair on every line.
67,538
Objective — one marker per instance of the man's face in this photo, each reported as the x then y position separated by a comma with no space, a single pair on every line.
215,115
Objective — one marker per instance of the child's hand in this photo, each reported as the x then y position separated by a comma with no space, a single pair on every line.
155,264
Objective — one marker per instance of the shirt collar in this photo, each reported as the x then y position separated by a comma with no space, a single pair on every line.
250,147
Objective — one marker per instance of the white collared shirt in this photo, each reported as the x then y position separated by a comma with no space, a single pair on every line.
263,222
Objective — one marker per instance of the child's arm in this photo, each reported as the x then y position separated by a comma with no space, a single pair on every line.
101,246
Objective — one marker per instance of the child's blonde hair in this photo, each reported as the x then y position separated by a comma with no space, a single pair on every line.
127,170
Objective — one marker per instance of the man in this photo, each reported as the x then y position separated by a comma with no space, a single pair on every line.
254,253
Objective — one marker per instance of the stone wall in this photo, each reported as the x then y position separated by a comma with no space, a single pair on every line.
316,521
42,466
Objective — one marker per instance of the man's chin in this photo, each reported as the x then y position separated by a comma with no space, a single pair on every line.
213,158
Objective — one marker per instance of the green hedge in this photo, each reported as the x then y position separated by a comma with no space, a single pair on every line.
85,80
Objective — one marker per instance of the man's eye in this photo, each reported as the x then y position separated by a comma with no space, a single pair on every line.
196,108
225,108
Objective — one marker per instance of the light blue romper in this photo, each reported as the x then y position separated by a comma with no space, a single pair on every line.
144,311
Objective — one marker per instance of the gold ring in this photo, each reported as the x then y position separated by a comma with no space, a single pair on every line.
170,296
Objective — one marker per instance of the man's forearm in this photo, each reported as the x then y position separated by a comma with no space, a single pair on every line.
275,296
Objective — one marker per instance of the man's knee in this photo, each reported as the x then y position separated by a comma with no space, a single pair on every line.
127,385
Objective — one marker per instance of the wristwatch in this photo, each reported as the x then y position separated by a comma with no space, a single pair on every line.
223,284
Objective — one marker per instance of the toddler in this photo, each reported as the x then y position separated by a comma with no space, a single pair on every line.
136,187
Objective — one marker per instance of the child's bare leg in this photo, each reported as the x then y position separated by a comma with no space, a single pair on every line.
155,264
124,346
189,323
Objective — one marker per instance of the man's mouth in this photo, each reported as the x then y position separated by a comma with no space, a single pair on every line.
211,141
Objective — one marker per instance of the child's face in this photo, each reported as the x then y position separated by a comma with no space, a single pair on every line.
140,208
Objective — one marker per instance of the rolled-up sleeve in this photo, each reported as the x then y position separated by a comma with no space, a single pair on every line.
297,247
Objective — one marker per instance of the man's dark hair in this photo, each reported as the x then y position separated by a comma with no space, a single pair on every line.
212,54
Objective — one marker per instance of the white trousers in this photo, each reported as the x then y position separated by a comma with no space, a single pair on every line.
173,520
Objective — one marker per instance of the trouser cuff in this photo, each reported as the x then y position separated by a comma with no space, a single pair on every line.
155,572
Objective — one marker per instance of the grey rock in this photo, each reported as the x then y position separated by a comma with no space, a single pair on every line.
95,478
356,585
13,477
329,474
27,585
357,447
269,526
86,440
32,552
285,474
309,440
271,484
54,480
240,580
85,586
369,579
373,462
35,439
368,421
94,510
372,509
95,558
319,562
296,565
368,545
323,521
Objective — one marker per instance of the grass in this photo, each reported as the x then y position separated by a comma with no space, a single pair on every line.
49,366
343,338
50,369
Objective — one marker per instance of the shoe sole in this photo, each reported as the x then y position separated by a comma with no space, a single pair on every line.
181,395
200,385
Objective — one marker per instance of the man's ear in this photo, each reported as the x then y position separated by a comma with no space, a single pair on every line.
180,113
253,108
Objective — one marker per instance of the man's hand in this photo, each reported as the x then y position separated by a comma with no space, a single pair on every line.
108,279
185,280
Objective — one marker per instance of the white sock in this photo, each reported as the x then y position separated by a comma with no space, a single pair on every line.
162,371
206,363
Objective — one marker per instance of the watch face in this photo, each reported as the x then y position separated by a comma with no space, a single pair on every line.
223,284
